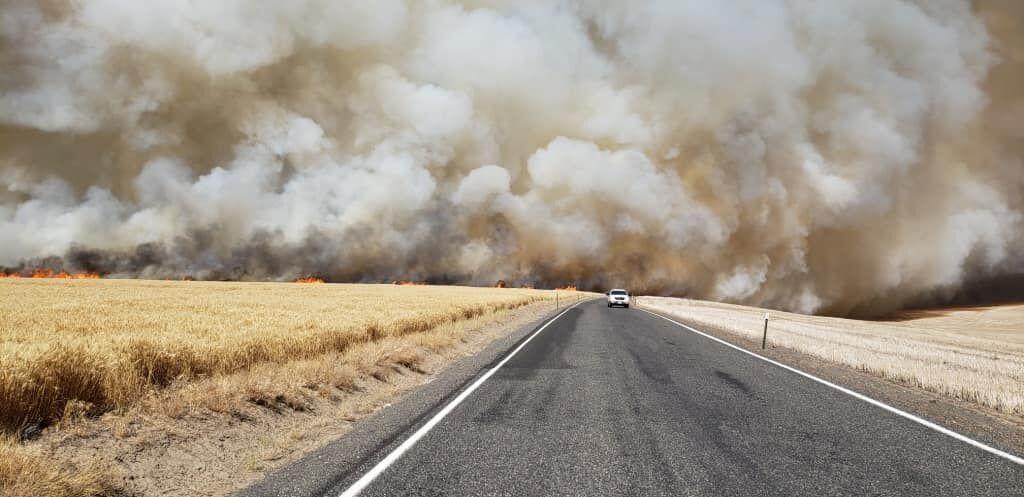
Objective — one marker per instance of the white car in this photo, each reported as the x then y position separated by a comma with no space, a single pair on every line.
618,296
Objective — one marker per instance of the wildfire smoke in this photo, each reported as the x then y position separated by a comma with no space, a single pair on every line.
843,157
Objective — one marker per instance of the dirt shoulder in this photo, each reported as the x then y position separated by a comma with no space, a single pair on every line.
198,450
998,429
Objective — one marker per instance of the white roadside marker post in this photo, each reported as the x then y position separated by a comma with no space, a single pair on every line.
764,337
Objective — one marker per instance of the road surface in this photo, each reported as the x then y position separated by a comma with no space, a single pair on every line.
622,402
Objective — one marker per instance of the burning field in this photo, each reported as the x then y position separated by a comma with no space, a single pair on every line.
49,274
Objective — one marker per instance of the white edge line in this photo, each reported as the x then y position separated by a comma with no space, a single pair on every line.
869,400
388,460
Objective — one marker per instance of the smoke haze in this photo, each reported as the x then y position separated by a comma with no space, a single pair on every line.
850,156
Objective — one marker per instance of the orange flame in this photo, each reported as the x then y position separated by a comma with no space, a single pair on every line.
407,283
50,274
570,288
309,279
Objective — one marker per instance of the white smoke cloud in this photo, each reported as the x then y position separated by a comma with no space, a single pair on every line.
842,157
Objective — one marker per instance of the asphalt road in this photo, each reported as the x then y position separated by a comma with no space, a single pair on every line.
621,402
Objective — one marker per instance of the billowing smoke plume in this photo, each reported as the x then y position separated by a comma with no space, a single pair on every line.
841,156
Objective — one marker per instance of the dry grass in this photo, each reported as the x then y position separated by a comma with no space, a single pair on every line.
81,347
976,354
28,473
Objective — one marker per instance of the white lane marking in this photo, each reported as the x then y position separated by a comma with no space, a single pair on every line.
388,460
869,400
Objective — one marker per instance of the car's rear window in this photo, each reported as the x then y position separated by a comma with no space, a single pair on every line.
619,292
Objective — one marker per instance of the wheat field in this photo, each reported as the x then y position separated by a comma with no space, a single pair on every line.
89,346
972,354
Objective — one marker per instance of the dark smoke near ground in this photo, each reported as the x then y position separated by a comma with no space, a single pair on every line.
844,157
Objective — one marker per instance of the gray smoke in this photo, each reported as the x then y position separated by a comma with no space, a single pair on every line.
844,156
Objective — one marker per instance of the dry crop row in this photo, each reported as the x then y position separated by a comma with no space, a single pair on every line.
89,346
